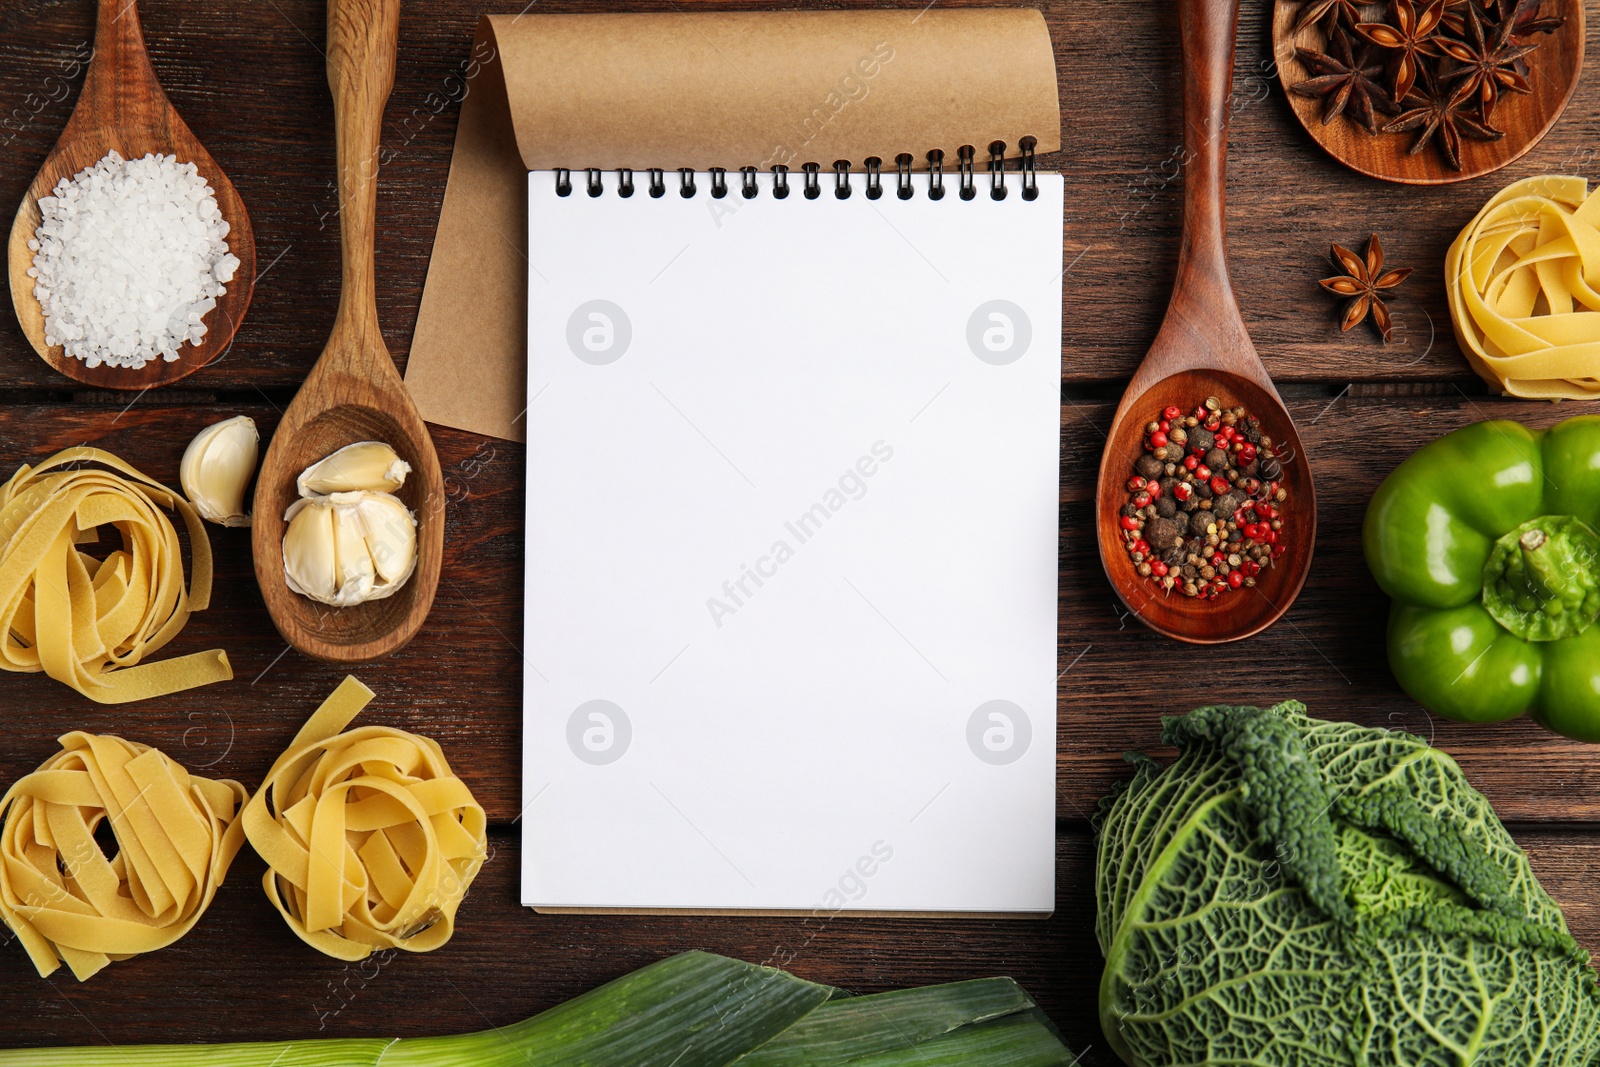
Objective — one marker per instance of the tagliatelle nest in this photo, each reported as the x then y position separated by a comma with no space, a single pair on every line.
67,902
371,839
89,622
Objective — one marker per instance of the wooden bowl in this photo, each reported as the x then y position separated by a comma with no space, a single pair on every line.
1525,119
1242,612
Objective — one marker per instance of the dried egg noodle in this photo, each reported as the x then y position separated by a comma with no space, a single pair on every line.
1522,279
374,841
176,835
88,622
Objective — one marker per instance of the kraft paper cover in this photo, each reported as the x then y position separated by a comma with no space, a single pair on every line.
699,90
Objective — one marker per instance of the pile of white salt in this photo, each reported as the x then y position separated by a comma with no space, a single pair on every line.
128,259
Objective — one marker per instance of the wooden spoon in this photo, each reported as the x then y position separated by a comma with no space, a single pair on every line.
1203,350
123,107
353,393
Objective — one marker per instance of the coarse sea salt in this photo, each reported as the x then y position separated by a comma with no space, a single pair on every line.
128,259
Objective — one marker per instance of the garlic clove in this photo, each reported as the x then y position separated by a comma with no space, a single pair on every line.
366,465
391,536
309,566
349,547
217,468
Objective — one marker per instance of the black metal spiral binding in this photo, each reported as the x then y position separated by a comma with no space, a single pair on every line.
964,157
750,188
902,164
997,170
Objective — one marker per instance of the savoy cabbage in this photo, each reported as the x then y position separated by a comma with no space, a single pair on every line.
1300,893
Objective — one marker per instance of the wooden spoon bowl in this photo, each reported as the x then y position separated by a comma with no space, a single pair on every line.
1203,350
366,631
1240,613
122,107
1555,67
354,392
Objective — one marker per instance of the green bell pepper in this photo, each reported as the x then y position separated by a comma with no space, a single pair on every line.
1486,542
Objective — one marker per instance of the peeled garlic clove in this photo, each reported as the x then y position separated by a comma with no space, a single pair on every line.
347,548
217,467
366,465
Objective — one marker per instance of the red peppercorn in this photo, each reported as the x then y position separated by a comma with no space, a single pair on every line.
1182,491
1278,550
1135,483
1128,522
1191,461
1219,484
1251,531
1247,454
1252,568
1269,535
1166,426
1235,579
1225,435
1142,500
1158,440
1158,568
1171,412
1142,546
1202,471
1265,510
1154,489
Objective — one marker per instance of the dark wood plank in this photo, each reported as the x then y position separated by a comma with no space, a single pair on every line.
248,78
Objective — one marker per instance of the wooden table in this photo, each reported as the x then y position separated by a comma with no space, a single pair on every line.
248,77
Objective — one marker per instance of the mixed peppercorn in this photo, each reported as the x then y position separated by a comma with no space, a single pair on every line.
1205,504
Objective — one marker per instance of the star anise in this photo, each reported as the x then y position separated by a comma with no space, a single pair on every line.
1411,36
1441,114
1488,62
1347,11
1365,280
1345,82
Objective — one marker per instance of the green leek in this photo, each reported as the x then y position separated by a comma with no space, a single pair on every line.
692,1010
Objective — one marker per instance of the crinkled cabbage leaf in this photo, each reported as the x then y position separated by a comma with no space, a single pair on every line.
1300,893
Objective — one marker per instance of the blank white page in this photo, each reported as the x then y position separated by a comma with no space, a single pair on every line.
790,637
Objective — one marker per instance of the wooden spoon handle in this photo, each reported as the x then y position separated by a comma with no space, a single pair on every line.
362,38
1207,29
120,80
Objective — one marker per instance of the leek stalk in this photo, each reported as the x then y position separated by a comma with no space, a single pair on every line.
692,1010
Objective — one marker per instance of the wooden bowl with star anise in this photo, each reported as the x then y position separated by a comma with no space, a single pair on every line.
1428,92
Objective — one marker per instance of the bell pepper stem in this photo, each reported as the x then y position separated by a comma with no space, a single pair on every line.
1543,572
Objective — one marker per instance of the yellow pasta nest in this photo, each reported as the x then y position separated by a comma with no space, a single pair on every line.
176,834
84,621
1522,280
371,839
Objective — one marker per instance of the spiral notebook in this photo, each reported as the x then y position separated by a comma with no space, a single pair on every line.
792,423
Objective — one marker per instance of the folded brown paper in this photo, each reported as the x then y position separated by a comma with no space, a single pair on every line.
698,90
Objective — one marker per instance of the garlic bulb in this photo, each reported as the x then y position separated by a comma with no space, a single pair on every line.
347,548
369,465
217,467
